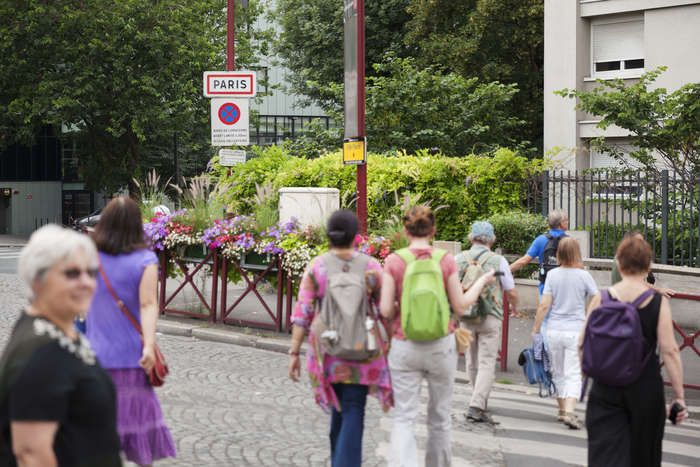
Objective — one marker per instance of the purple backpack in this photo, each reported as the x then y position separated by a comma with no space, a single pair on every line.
615,351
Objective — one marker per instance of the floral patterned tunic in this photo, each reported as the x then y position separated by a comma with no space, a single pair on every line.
325,370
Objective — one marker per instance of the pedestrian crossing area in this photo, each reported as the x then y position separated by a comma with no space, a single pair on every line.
527,433
9,252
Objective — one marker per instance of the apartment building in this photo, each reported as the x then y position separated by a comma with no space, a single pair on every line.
587,40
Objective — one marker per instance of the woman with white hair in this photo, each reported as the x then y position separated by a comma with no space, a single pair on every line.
57,405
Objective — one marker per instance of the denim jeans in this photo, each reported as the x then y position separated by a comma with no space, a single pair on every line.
347,425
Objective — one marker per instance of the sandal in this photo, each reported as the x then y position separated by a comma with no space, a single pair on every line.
561,415
572,421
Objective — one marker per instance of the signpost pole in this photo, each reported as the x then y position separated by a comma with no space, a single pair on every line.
362,168
230,35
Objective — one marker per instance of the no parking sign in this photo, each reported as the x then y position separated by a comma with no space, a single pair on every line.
229,122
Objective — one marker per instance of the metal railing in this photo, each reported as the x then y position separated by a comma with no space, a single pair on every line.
273,129
663,206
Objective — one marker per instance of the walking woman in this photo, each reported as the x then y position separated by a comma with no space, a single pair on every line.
566,291
132,272
626,424
340,386
57,405
410,361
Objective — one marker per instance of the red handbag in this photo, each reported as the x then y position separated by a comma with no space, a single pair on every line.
160,369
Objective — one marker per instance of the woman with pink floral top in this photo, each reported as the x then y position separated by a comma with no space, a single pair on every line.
339,386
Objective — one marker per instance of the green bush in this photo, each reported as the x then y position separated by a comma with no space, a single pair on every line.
459,189
516,230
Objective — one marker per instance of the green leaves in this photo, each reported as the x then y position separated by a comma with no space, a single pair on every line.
662,123
127,73
469,187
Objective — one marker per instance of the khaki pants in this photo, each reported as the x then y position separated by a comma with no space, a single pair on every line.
410,362
481,359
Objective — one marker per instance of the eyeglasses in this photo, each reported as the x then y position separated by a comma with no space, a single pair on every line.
74,273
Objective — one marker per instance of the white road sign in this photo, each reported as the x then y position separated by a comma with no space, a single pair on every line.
229,122
230,83
229,157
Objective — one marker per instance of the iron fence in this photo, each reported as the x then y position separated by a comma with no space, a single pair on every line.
662,206
273,129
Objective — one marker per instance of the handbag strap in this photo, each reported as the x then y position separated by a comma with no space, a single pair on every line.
120,303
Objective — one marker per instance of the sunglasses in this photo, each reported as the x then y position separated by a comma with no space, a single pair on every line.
74,273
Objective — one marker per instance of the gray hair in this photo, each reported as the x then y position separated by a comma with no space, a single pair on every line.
483,239
49,245
555,218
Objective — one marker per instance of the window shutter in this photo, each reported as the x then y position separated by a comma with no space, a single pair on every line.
618,41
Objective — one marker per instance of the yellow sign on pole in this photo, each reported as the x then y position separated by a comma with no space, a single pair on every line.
354,152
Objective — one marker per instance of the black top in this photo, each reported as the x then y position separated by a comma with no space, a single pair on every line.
649,316
44,376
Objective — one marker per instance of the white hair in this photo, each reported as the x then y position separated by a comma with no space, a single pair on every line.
556,218
49,245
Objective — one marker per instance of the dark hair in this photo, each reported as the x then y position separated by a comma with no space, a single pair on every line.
119,229
341,228
419,221
633,255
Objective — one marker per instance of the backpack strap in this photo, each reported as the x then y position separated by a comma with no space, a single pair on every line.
406,255
639,300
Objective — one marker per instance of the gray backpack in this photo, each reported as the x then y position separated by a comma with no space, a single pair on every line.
340,324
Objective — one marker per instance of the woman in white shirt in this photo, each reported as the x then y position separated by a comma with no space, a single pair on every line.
566,291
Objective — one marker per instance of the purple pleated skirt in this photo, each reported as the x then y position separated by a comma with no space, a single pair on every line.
142,431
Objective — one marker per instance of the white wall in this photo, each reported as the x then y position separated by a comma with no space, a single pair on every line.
672,38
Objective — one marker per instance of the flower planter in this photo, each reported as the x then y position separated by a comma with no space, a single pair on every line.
258,261
193,251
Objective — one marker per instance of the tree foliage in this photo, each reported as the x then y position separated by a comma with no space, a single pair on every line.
124,75
311,41
664,126
493,40
412,108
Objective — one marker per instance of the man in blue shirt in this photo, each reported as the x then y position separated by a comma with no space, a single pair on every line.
558,222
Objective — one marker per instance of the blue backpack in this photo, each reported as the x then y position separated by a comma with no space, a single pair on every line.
535,372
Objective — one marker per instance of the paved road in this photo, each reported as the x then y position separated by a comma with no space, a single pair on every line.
8,259
229,405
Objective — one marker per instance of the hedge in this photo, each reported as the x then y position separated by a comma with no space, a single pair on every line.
461,190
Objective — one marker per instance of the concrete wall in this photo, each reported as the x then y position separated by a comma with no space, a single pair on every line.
311,206
32,205
672,39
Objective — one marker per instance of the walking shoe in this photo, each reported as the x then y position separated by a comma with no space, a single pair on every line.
476,415
572,421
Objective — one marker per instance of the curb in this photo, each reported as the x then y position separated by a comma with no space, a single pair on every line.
279,345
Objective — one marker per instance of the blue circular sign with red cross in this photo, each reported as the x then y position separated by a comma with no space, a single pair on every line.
229,113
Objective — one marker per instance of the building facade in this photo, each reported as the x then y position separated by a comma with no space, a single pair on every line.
587,40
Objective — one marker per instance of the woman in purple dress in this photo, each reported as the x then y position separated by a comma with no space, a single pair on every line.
132,270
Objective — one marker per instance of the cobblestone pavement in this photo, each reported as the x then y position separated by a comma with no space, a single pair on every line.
229,405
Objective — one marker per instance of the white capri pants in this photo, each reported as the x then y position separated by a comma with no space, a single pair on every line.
566,366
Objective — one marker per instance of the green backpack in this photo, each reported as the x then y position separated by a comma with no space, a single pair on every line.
425,311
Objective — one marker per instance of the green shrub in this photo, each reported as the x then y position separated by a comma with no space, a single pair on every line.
516,230
464,189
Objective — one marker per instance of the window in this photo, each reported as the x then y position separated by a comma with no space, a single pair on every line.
617,48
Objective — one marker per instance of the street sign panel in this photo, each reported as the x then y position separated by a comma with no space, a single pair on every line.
229,122
354,152
229,157
230,83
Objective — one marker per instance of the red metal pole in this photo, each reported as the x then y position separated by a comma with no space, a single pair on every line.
230,35
504,334
362,168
